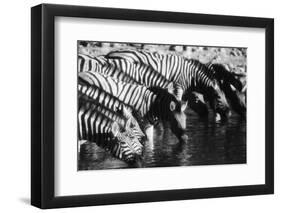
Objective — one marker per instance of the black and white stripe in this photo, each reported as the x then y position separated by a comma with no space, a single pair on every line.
111,105
106,129
152,104
127,71
231,85
190,74
89,63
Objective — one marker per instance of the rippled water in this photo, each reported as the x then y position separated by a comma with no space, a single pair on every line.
209,143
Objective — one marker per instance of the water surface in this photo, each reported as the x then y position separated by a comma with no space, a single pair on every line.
209,143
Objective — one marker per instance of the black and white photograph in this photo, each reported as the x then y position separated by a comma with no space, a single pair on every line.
160,105
142,105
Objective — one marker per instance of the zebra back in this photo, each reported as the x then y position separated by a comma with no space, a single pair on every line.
142,73
167,65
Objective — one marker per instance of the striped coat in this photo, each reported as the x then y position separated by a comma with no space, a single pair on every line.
127,71
231,86
110,105
108,130
191,75
152,104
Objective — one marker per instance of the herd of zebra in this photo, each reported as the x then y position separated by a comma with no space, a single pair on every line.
124,93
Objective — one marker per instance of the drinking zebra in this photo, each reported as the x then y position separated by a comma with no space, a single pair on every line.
119,113
230,85
108,100
107,130
191,75
152,104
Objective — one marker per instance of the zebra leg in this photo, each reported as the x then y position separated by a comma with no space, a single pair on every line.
149,133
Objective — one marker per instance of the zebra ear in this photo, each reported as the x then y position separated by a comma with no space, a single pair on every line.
115,129
236,83
172,106
171,88
232,87
118,109
128,124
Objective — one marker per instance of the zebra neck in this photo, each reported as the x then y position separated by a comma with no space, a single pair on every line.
194,77
148,102
156,109
181,76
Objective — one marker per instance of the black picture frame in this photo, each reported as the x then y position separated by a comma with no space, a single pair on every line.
43,102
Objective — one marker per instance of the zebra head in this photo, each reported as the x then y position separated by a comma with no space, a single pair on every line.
224,76
168,108
232,87
131,122
127,147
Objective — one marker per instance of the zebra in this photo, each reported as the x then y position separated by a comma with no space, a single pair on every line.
231,86
107,130
119,113
126,71
111,105
190,74
153,104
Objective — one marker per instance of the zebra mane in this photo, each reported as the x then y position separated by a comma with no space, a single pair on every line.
158,90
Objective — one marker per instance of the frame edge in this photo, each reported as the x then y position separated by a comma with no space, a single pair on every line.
42,179
269,117
36,85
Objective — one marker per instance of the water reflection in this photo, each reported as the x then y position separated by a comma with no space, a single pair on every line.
209,143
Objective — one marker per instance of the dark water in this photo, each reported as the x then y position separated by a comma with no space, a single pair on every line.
209,143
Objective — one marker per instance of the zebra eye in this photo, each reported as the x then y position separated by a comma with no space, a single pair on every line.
172,106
